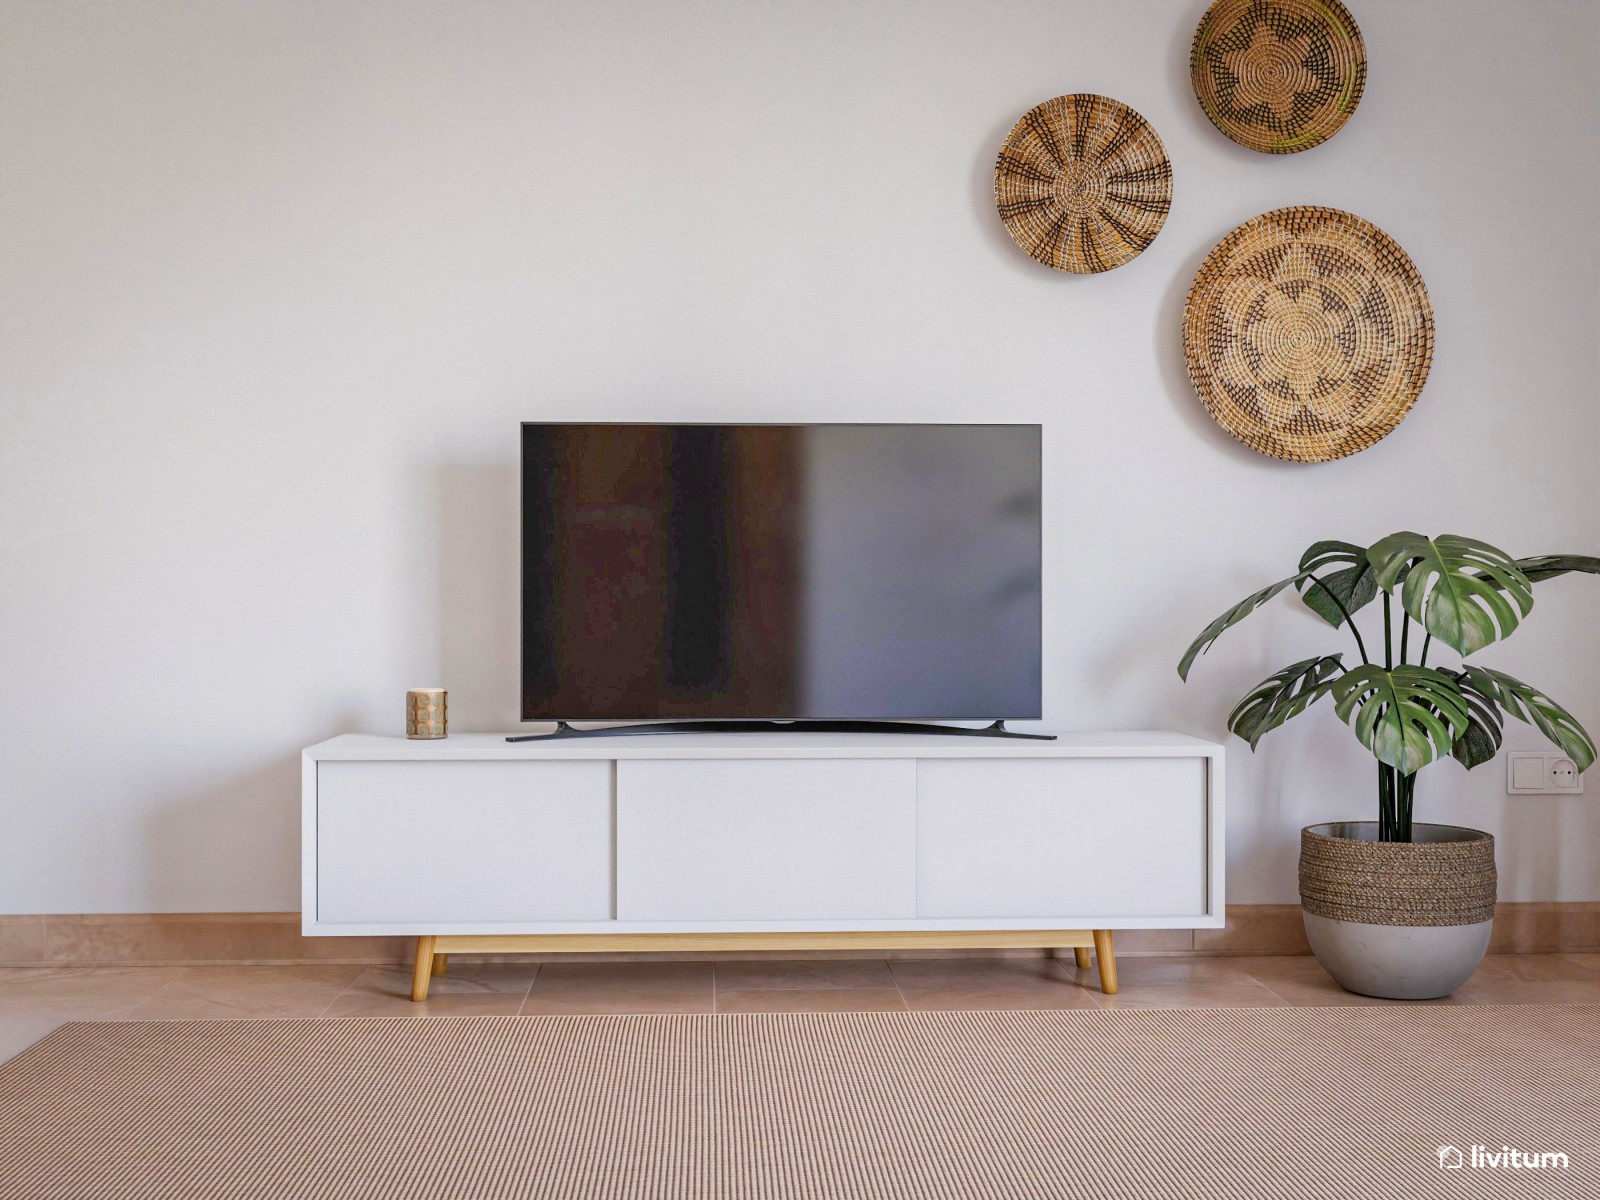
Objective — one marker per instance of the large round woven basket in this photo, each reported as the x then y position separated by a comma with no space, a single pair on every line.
1308,333
1445,877
1278,76
1083,183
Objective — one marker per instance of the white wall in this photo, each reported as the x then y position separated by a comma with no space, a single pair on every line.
278,280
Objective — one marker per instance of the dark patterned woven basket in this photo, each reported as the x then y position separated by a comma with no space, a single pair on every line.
1399,883
1308,333
1278,76
1083,183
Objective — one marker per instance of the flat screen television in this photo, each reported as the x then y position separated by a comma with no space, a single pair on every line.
780,572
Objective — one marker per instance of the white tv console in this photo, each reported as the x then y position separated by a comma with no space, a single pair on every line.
760,841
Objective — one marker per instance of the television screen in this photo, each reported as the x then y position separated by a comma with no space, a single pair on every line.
822,572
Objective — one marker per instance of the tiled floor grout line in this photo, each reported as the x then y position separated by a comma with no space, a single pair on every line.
125,1014
538,970
337,996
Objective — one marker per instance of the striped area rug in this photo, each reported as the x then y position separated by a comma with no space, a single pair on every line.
1230,1103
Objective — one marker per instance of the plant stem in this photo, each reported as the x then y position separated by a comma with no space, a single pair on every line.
1426,642
1388,636
1385,802
1405,636
1348,619
1408,791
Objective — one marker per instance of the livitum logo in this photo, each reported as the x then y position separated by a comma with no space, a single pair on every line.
1506,1158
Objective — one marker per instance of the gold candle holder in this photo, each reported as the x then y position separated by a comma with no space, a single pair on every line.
427,713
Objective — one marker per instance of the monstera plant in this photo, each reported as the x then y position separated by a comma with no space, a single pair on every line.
1456,590
1394,908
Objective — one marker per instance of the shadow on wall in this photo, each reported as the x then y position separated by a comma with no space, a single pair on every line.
239,837
479,595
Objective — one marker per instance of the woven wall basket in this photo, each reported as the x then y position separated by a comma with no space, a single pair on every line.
1278,76
1083,183
1308,333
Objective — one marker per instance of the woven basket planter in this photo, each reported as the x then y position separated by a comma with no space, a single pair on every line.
1404,920
1398,883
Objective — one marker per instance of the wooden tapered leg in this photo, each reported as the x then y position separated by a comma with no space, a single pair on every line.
1081,954
1107,955
440,962
422,969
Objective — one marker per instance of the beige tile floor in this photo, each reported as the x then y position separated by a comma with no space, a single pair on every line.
34,1000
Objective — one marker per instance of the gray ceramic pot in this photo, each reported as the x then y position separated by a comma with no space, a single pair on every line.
1400,920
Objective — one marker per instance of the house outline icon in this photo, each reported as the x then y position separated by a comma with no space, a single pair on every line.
1449,1158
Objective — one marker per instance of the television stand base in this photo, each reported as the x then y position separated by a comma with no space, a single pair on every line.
433,951
564,730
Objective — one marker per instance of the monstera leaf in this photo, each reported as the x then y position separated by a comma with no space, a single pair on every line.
1548,566
1355,584
1480,741
1528,703
1282,696
1465,592
1407,716
1227,620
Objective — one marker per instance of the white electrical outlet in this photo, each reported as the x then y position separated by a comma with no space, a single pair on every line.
1542,775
